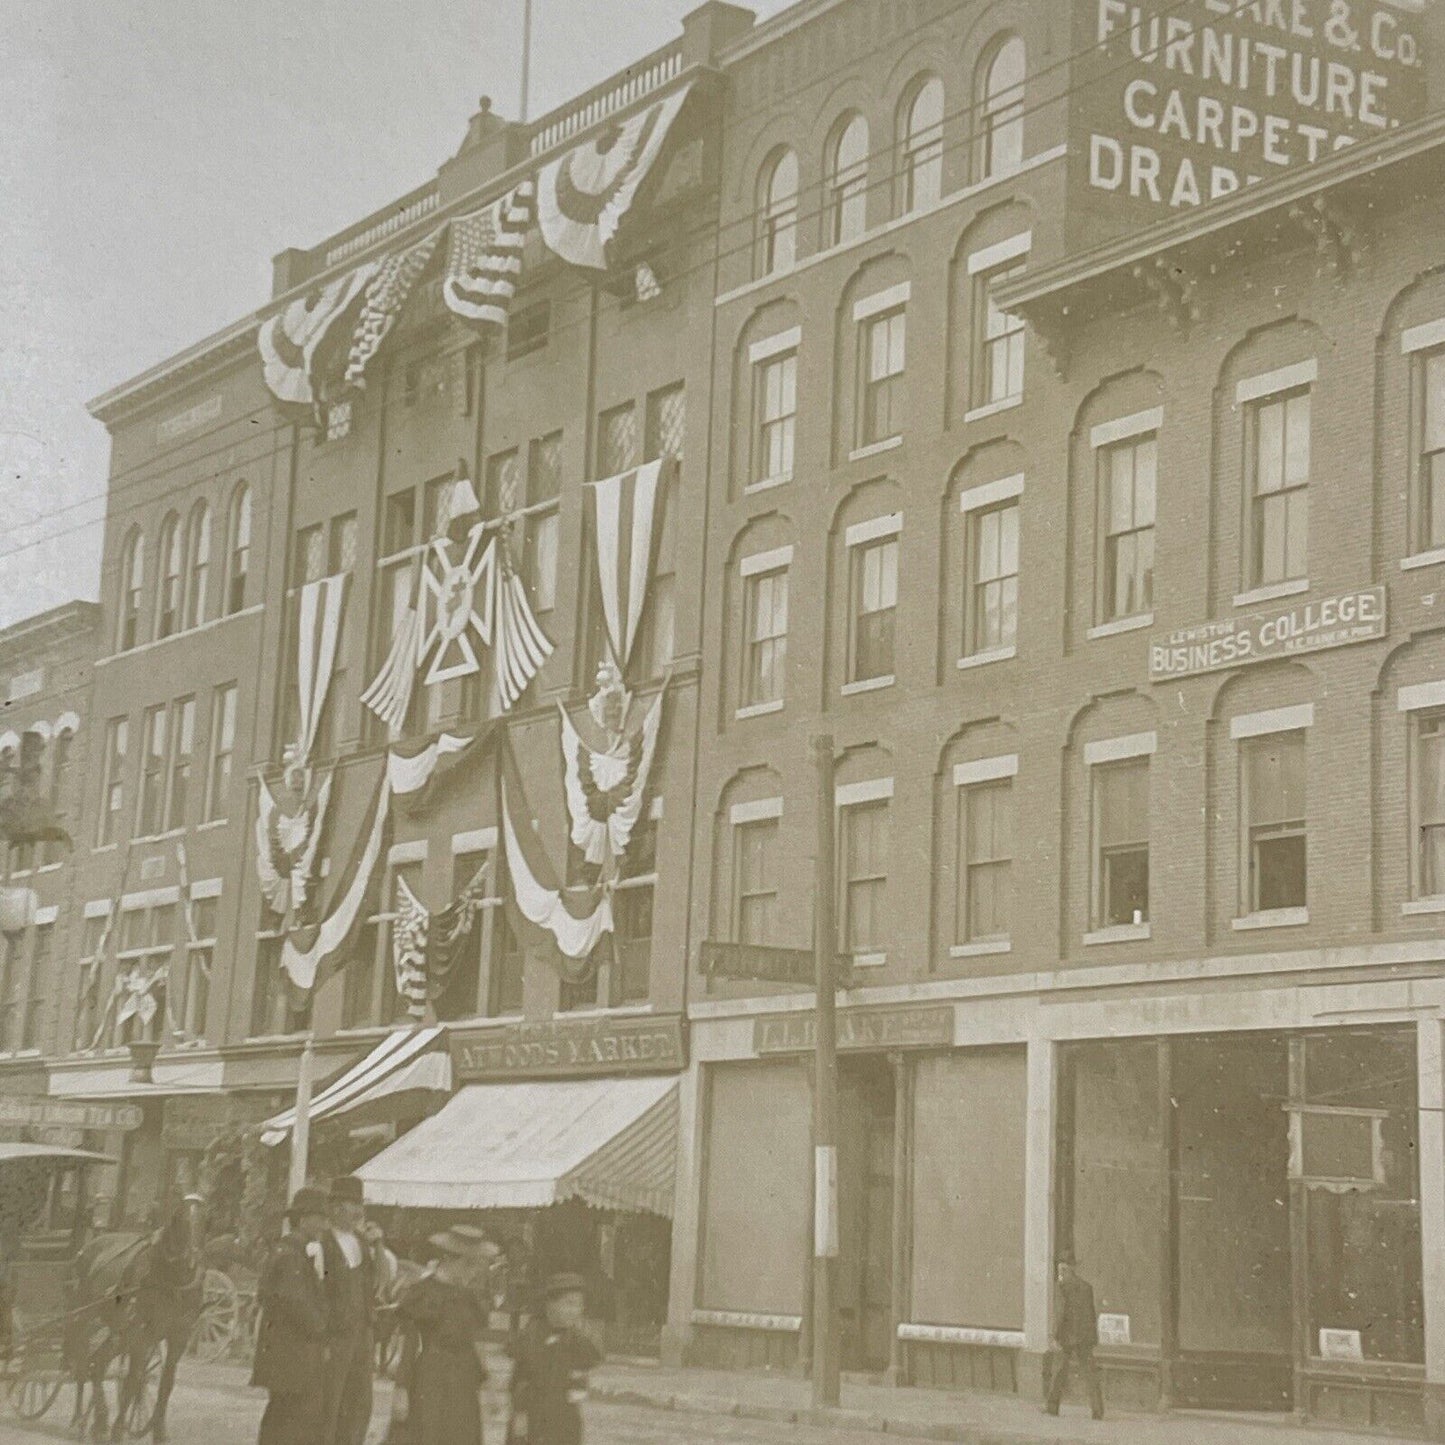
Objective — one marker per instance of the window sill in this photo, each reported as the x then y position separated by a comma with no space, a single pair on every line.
1432,558
985,947
104,848
50,867
982,659
869,960
1414,907
873,449
867,684
766,484
196,631
758,709
163,837
20,873
1118,933
212,823
992,408
1274,591
1120,624
617,1011
1271,918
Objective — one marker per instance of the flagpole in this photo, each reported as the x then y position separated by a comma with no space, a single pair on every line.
301,1126
526,58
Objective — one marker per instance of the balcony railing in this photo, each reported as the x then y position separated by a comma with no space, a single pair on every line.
649,74
399,215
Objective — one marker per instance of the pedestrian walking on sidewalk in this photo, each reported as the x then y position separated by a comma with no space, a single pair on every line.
1076,1332
553,1357
444,1308
291,1342
350,1297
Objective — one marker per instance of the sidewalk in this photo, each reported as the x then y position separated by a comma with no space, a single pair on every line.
972,1418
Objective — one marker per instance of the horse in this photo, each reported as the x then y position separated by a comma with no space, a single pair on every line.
135,1293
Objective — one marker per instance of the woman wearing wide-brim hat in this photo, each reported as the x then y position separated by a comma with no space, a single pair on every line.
444,1309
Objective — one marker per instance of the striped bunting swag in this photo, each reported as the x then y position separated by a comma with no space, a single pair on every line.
291,341
409,931
318,631
625,517
485,258
386,294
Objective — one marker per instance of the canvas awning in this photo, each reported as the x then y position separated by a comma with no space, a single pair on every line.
609,1142
405,1061
54,1153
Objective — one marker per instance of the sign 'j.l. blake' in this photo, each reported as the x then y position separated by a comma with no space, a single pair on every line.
858,1028
1290,629
1176,104
645,1045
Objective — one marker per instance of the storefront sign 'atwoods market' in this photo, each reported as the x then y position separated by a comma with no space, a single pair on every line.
1290,629
643,1045
874,1028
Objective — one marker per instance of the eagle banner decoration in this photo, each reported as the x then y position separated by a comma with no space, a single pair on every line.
288,836
583,195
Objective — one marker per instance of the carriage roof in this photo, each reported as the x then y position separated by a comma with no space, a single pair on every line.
52,1152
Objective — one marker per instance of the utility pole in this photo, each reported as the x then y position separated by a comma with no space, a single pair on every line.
301,1123
825,1096
526,59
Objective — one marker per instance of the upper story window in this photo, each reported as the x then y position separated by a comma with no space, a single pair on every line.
168,593
112,786
765,629
921,146
983,908
617,440
665,432
1000,108
778,213
755,877
183,747
1277,473
223,749
863,845
132,585
775,407
991,567
153,772
1119,787
309,561
846,185
238,548
873,591
998,335
881,356
544,491
1128,466
198,563
1273,816
1430,804
1429,446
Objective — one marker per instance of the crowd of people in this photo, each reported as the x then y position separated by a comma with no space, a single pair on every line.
331,1285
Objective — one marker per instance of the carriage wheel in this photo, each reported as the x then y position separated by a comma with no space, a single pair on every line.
32,1395
143,1407
220,1315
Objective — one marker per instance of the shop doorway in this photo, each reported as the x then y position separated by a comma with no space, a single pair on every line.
865,1211
1232,1257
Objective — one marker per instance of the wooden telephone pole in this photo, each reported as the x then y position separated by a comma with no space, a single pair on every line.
825,1096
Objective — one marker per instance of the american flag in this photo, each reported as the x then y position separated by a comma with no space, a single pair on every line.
386,294
408,948
485,257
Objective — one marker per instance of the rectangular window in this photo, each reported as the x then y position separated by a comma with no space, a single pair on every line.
581,994
112,790
12,984
1121,842
460,995
881,365
665,431
765,638
309,562
153,772
42,963
544,485
1273,770
1279,442
527,329
999,349
341,545
985,853
1430,467
87,1004
399,527
393,1007
775,405
992,603
755,881
864,875
631,971
617,440
504,482
1127,474
195,992
874,587
397,585
223,747
272,1007
60,759
183,746
1430,804
504,989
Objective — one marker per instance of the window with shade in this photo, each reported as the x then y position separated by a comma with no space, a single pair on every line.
873,584
87,1003
1429,369
168,591
1273,778
846,186
665,435
992,599
238,549
778,214
222,754
630,966
398,570
1000,109
182,750
984,905
193,997
617,440
864,846
153,773
881,361
543,528
198,563
61,748
765,638
921,146
1128,472
999,341
775,409
38,984
755,880
12,988
112,786
1429,762
1121,843
132,588
1278,441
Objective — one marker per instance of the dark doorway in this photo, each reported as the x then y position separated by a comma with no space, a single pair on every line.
865,1211
1232,1195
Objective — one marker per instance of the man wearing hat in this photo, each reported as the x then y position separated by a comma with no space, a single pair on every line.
350,1279
549,1376
1076,1332
291,1342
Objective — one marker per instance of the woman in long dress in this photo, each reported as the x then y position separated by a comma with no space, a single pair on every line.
444,1309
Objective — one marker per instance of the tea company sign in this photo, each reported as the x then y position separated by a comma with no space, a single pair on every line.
1176,104
562,1047
1285,632
25,1112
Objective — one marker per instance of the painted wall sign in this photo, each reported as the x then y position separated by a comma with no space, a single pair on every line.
171,427
882,1028
576,1047
25,684
68,1114
1175,105
1289,629
1341,1345
1113,1329
195,1121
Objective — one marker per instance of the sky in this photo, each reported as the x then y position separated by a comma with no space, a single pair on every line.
154,156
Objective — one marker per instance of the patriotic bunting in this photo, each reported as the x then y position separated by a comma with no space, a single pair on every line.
409,948
484,260
521,646
583,195
291,341
452,928
386,294
320,608
624,514
288,836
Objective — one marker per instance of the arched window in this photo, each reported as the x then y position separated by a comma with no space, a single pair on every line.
168,593
778,213
1001,109
238,560
845,212
922,145
198,563
132,583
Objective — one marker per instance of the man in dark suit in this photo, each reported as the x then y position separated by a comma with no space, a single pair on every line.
1076,1332
291,1343
551,1361
350,1277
